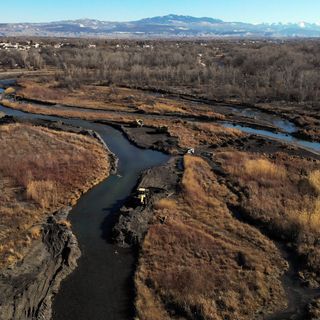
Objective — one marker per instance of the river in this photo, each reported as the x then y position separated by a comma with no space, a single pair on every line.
102,286
284,137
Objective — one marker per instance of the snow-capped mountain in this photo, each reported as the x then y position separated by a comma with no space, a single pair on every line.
163,26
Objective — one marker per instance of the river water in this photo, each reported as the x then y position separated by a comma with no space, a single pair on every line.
101,287
284,137
267,118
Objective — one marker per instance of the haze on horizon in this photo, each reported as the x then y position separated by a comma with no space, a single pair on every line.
252,11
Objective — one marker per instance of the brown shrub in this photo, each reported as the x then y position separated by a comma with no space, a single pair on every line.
10,90
193,134
309,218
35,232
264,170
314,179
43,193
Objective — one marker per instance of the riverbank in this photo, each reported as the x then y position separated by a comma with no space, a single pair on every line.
28,287
172,217
137,224
38,248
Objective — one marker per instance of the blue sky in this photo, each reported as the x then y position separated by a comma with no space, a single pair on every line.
254,11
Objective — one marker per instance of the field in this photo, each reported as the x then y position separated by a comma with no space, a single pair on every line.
41,171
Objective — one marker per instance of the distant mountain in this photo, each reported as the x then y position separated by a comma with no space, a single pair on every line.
166,27
173,19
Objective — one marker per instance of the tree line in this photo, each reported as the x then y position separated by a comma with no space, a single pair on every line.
243,69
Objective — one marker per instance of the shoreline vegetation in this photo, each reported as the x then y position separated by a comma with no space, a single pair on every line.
42,171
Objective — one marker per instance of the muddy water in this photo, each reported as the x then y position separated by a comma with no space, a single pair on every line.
101,287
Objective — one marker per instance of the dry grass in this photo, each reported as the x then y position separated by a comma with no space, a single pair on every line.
165,204
283,193
68,113
10,90
160,108
314,179
42,192
35,232
263,169
201,263
166,106
198,191
111,99
91,97
194,134
309,217
41,171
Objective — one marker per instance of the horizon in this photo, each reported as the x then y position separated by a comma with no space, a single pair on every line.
165,15
247,11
